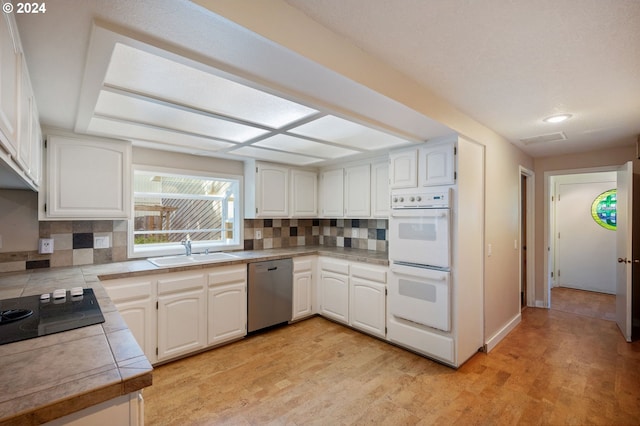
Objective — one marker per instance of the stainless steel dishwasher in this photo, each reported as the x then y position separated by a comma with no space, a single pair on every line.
269,298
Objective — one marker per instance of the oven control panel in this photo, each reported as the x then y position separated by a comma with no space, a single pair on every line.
420,199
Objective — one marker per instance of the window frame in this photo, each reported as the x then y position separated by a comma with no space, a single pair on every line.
196,246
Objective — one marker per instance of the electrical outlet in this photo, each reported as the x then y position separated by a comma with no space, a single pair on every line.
258,234
45,246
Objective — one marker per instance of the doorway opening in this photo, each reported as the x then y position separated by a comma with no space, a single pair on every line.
526,249
581,249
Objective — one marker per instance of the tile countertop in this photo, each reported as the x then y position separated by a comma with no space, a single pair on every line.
51,376
143,267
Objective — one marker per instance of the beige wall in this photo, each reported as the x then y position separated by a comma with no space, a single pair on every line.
287,26
556,165
18,220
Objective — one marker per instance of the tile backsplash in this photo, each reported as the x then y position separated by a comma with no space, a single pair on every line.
366,234
73,244
73,241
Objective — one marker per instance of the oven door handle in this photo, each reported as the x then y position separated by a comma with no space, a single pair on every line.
431,274
424,213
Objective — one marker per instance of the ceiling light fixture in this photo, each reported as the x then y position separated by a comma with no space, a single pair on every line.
558,118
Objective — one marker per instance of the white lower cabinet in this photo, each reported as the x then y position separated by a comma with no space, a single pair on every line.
178,313
354,293
368,285
227,310
303,288
182,313
123,410
334,289
135,299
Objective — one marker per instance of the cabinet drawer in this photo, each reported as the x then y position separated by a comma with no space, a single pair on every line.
369,273
337,266
123,291
180,282
227,275
302,265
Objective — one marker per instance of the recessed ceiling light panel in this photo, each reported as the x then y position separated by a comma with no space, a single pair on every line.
142,72
348,133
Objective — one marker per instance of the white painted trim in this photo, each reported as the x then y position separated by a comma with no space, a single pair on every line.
540,304
502,333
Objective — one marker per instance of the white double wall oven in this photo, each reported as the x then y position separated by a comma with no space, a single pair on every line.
420,254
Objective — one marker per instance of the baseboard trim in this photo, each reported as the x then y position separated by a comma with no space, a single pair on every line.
502,333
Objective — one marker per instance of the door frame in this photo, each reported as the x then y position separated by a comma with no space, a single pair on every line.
549,217
529,237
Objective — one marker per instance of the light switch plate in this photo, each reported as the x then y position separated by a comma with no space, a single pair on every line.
100,242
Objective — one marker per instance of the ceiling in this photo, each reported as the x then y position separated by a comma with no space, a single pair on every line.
171,75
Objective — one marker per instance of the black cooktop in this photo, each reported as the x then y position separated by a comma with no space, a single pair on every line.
27,317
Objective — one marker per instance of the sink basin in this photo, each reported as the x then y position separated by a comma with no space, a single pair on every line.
181,260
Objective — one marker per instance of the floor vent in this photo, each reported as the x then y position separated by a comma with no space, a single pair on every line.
551,137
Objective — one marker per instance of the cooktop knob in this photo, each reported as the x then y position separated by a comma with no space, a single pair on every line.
412,199
419,199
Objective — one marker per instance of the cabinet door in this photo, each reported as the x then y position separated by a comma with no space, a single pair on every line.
357,191
334,295
437,164
9,83
302,294
380,190
182,314
227,312
88,179
403,169
368,311
332,193
135,299
272,191
140,315
304,193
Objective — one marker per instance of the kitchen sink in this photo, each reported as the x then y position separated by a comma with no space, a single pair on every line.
181,260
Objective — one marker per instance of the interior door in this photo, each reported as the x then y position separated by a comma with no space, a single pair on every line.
624,212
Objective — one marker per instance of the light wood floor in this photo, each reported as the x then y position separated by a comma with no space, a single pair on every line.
554,368
580,302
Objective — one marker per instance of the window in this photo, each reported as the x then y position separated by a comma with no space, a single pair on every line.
168,207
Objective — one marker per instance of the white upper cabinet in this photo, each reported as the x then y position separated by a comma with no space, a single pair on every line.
304,193
380,189
357,191
403,169
9,83
437,164
272,191
24,114
88,179
332,193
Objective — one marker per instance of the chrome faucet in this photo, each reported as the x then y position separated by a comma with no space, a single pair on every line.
187,244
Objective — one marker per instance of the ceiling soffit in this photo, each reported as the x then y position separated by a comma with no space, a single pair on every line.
159,99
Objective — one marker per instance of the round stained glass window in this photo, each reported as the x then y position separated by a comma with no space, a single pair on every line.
603,209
